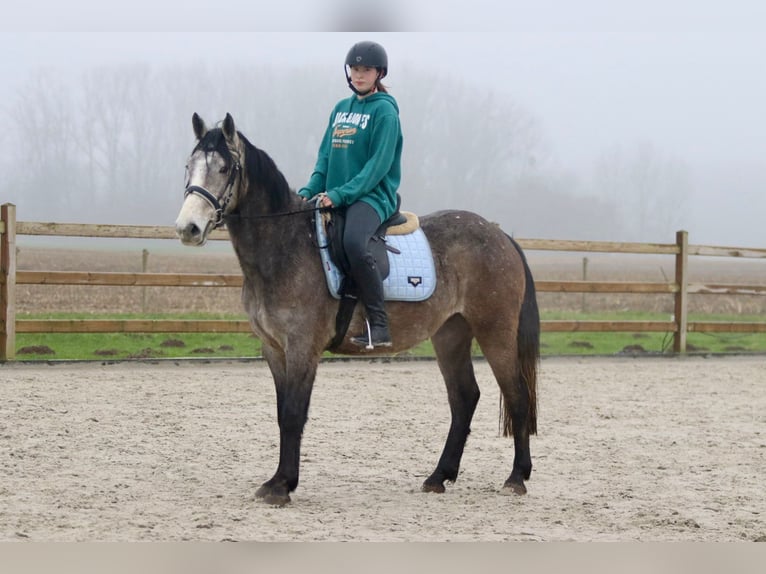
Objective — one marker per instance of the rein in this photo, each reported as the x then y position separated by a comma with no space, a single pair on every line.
280,214
219,205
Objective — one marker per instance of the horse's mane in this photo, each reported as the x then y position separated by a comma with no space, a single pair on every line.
260,169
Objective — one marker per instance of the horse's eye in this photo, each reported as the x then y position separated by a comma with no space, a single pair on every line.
224,169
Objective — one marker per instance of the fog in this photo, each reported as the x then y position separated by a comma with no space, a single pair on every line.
594,120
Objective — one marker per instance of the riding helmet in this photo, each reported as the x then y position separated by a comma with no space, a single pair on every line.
369,54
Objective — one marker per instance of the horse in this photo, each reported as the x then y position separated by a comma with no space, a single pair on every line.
484,291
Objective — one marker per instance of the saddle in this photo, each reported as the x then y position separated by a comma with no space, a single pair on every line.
402,255
335,223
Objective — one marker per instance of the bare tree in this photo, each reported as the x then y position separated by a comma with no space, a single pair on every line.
554,205
464,148
651,190
118,137
44,169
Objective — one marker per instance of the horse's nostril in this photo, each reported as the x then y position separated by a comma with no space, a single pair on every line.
194,230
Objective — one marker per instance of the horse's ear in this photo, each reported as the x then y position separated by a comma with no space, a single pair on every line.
229,130
200,129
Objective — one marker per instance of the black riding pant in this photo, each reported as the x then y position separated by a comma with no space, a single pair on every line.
361,223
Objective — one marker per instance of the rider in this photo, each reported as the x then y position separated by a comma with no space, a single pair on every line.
358,169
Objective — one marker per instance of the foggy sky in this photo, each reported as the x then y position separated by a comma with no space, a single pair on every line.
686,77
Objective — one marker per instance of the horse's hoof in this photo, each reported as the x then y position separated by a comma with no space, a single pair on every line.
276,499
272,496
513,488
437,487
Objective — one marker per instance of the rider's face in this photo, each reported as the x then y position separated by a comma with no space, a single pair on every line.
363,78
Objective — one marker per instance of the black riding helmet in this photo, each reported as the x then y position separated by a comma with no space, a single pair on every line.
370,54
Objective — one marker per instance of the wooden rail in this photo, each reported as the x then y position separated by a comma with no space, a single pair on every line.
131,326
680,288
127,279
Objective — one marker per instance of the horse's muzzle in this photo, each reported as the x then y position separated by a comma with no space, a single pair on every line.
194,221
191,234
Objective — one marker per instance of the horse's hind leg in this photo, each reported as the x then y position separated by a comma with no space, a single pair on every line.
452,344
500,351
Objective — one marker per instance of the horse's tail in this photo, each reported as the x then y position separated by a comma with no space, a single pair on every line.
528,348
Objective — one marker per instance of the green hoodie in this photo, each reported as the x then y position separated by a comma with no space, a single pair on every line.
360,155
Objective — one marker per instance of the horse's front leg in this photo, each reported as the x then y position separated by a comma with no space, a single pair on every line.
294,380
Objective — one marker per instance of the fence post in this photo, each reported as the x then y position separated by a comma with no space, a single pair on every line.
7,282
682,295
144,267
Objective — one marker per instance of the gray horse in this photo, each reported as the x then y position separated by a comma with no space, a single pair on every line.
484,291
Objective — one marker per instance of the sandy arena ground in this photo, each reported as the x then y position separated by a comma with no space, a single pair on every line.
629,449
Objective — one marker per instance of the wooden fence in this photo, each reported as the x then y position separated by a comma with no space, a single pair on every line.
680,287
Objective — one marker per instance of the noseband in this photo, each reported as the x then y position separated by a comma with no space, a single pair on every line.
219,205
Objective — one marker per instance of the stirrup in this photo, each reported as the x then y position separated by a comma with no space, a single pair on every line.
367,342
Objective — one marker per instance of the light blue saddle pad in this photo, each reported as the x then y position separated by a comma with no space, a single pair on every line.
412,276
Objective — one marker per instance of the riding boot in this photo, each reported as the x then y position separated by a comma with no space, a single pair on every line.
370,287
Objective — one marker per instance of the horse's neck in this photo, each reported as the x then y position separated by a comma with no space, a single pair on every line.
270,245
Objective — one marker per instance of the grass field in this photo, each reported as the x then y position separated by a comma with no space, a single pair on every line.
116,346
48,301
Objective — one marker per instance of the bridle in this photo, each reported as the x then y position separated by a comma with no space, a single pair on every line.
219,205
